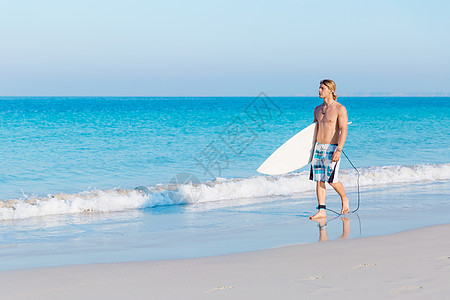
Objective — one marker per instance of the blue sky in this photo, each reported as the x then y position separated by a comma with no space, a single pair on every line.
223,48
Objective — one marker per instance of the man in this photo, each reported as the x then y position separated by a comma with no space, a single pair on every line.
332,121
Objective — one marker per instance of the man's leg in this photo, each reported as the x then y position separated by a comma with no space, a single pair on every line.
339,188
321,194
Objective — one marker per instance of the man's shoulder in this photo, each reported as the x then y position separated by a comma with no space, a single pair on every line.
338,104
341,107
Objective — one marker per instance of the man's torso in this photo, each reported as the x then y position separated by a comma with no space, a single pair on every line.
328,126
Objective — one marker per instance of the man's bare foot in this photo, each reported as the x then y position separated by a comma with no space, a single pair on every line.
345,207
321,221
320,214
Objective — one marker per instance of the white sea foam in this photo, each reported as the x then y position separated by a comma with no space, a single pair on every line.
220,190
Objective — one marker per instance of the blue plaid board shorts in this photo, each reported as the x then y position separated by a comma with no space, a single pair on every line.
322,168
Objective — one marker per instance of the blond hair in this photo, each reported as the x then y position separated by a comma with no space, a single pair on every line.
331,85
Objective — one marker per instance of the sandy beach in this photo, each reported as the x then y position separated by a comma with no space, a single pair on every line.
408,265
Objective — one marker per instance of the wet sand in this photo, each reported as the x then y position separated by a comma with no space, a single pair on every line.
407,265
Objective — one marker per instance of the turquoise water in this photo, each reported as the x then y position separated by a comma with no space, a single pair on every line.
70,166
52,145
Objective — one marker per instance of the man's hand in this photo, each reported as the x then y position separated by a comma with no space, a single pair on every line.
336,155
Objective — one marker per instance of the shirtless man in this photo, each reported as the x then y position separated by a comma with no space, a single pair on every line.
332,121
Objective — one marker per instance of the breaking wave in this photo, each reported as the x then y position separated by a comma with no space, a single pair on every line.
210,191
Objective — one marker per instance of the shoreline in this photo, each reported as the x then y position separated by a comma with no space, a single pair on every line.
183,232
174,233
412,263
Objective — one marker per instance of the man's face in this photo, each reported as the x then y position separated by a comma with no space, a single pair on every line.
324,91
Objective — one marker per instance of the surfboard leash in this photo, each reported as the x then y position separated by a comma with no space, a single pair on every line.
359,196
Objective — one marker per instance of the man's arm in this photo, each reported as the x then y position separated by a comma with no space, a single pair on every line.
343,128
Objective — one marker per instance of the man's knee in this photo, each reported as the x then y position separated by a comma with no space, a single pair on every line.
334,184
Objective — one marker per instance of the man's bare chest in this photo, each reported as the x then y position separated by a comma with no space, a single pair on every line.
328,118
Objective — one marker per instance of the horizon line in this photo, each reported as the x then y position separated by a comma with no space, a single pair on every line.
219,96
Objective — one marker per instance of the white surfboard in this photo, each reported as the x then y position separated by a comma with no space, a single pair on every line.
293,154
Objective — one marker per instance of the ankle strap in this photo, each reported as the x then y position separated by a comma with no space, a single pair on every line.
322,207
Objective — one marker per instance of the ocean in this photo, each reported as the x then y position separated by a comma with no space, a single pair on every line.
109,179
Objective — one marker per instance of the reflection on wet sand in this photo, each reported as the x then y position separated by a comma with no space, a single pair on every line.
323,236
